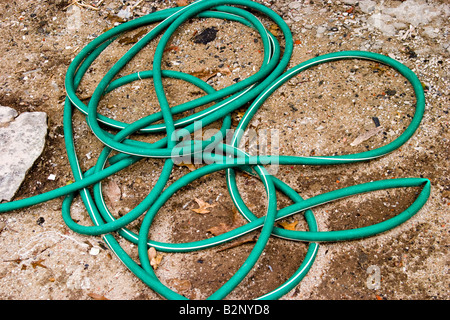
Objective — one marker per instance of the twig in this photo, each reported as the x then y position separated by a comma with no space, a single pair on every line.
87,6
82,4
238,243
136,4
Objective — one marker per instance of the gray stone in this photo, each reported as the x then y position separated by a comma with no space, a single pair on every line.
367,6
431,32
400,25
320,30
7,115
125,13
22,141
294,5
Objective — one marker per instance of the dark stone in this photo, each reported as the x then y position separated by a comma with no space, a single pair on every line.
207,35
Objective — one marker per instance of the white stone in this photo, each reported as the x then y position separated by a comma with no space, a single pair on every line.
321,30
94,251
294,5
416,13
125,13
7,115
431,32
22,141
367,6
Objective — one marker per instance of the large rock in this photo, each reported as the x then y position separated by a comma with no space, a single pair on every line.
22,140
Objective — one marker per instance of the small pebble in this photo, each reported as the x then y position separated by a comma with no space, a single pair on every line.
94,251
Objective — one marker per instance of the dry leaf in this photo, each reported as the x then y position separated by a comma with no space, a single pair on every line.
289,226
240,114
225,70
132,39
113,192
172,48
274,29
190,166
182,3
113,19
379,68
366,135
96,296
180,285
221,228
205,75
38,263
151,253
156,261
203,206
238,243
154,257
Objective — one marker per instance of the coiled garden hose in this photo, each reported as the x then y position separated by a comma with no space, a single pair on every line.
218,156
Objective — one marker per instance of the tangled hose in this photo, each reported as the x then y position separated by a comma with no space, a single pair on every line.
219,156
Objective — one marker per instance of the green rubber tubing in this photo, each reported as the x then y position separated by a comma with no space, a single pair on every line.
251,92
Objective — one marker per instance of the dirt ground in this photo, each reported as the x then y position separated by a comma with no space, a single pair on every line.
319,112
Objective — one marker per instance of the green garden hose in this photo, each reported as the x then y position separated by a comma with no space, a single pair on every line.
216,155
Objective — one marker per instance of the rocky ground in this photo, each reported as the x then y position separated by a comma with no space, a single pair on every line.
320,112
